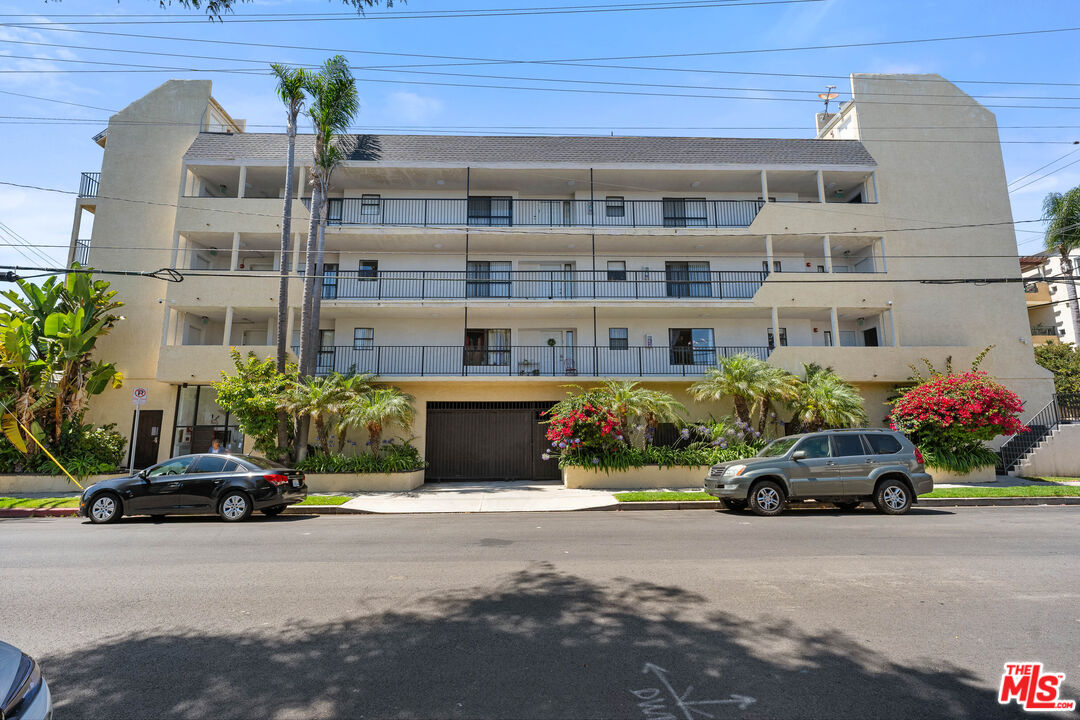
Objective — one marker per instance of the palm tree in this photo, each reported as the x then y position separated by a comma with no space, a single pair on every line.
290,88
353,388
376,409
317,399
1062,213
825,400
777,387
629,401
741,377
333,105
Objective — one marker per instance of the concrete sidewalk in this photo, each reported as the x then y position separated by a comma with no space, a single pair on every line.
471,497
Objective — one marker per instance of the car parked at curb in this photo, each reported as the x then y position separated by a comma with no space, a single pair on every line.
842,467
231,486
24,694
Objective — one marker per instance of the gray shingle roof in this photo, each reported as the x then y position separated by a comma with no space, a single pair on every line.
479,150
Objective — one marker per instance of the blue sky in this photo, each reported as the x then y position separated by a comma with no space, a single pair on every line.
52,155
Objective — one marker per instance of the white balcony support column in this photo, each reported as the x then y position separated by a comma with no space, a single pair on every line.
243,181
892,328
227,335
774,317
820,187
826,245
768,254
873,186
166,325
834,323
296,254
178,329
881,254
75,225
270,327
175,248
289,324
301,179
764,186
234,261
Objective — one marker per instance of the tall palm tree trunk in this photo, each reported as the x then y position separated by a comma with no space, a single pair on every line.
283,280
316,300
307,352
1070,287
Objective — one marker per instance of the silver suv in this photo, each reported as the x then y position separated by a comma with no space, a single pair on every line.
842,467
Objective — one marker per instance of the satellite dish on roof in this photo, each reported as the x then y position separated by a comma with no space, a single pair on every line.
828,96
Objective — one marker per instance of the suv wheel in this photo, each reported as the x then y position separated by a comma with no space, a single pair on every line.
767,499
893,497
731,504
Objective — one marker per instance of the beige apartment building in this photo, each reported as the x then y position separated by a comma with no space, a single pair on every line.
481,274
1049,312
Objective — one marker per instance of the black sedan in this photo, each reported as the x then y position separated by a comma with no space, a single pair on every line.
231,486
24,694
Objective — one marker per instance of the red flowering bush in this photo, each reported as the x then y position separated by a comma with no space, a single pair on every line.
948,417
585,429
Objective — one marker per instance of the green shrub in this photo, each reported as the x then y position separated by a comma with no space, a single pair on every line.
84,450
696,454
394,457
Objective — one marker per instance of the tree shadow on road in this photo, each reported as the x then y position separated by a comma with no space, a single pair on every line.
539,643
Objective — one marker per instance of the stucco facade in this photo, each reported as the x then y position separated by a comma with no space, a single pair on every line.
1049,312
474,270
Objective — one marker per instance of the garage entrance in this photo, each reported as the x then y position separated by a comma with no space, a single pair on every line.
487,441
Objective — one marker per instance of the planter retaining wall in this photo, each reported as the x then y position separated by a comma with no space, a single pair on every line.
364,482
47,483
982,475
643,478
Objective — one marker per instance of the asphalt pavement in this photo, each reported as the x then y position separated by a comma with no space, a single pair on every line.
656,615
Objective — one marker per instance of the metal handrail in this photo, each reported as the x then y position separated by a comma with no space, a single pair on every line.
524,360
1040,425
88,184
526,212
543,284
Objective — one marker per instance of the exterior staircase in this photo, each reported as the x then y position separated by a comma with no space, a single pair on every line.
1064,408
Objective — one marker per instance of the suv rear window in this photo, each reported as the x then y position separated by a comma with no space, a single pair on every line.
848,445
883,444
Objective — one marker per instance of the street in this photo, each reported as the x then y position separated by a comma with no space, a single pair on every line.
815,614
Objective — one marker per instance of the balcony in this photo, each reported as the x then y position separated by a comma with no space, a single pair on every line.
493,212
1037,293
88,184
1043,334
544,285
525,360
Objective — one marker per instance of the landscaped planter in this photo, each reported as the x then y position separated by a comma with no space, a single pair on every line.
48,483
364,482
649,476
982,475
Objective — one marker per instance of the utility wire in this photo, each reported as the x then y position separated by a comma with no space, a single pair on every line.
1044,176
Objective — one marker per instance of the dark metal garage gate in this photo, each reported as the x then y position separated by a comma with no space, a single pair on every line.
487,441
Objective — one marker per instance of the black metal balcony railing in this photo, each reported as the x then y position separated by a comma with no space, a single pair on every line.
1044,330
1031,288
508,212
542,285
82,252
88,184
525,360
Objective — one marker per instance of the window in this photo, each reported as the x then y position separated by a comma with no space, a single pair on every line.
485,278
208,465
815,447
828,338
687,279
783,337
178,466
847,445
369,270
821,268
765,266
329,281
615,206
487,347
691,346
363,338
616,270
883,444
231,466
684,212
369,204
490,210
325,358
618,339
199,419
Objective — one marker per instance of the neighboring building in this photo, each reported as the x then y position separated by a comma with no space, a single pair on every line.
481,274
1049,315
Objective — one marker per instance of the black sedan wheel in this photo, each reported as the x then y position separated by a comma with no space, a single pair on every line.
105,508
272,511
235,507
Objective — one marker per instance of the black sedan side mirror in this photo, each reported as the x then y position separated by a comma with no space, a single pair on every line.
141,475
798,455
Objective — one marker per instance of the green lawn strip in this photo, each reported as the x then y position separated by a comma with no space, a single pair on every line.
324,500
1054,479
7,503
669,495
1012,491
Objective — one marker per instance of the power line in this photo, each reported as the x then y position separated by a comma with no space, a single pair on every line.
1044,176
19,242
1043,167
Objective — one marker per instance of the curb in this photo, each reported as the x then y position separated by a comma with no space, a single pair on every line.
323,510
38,512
